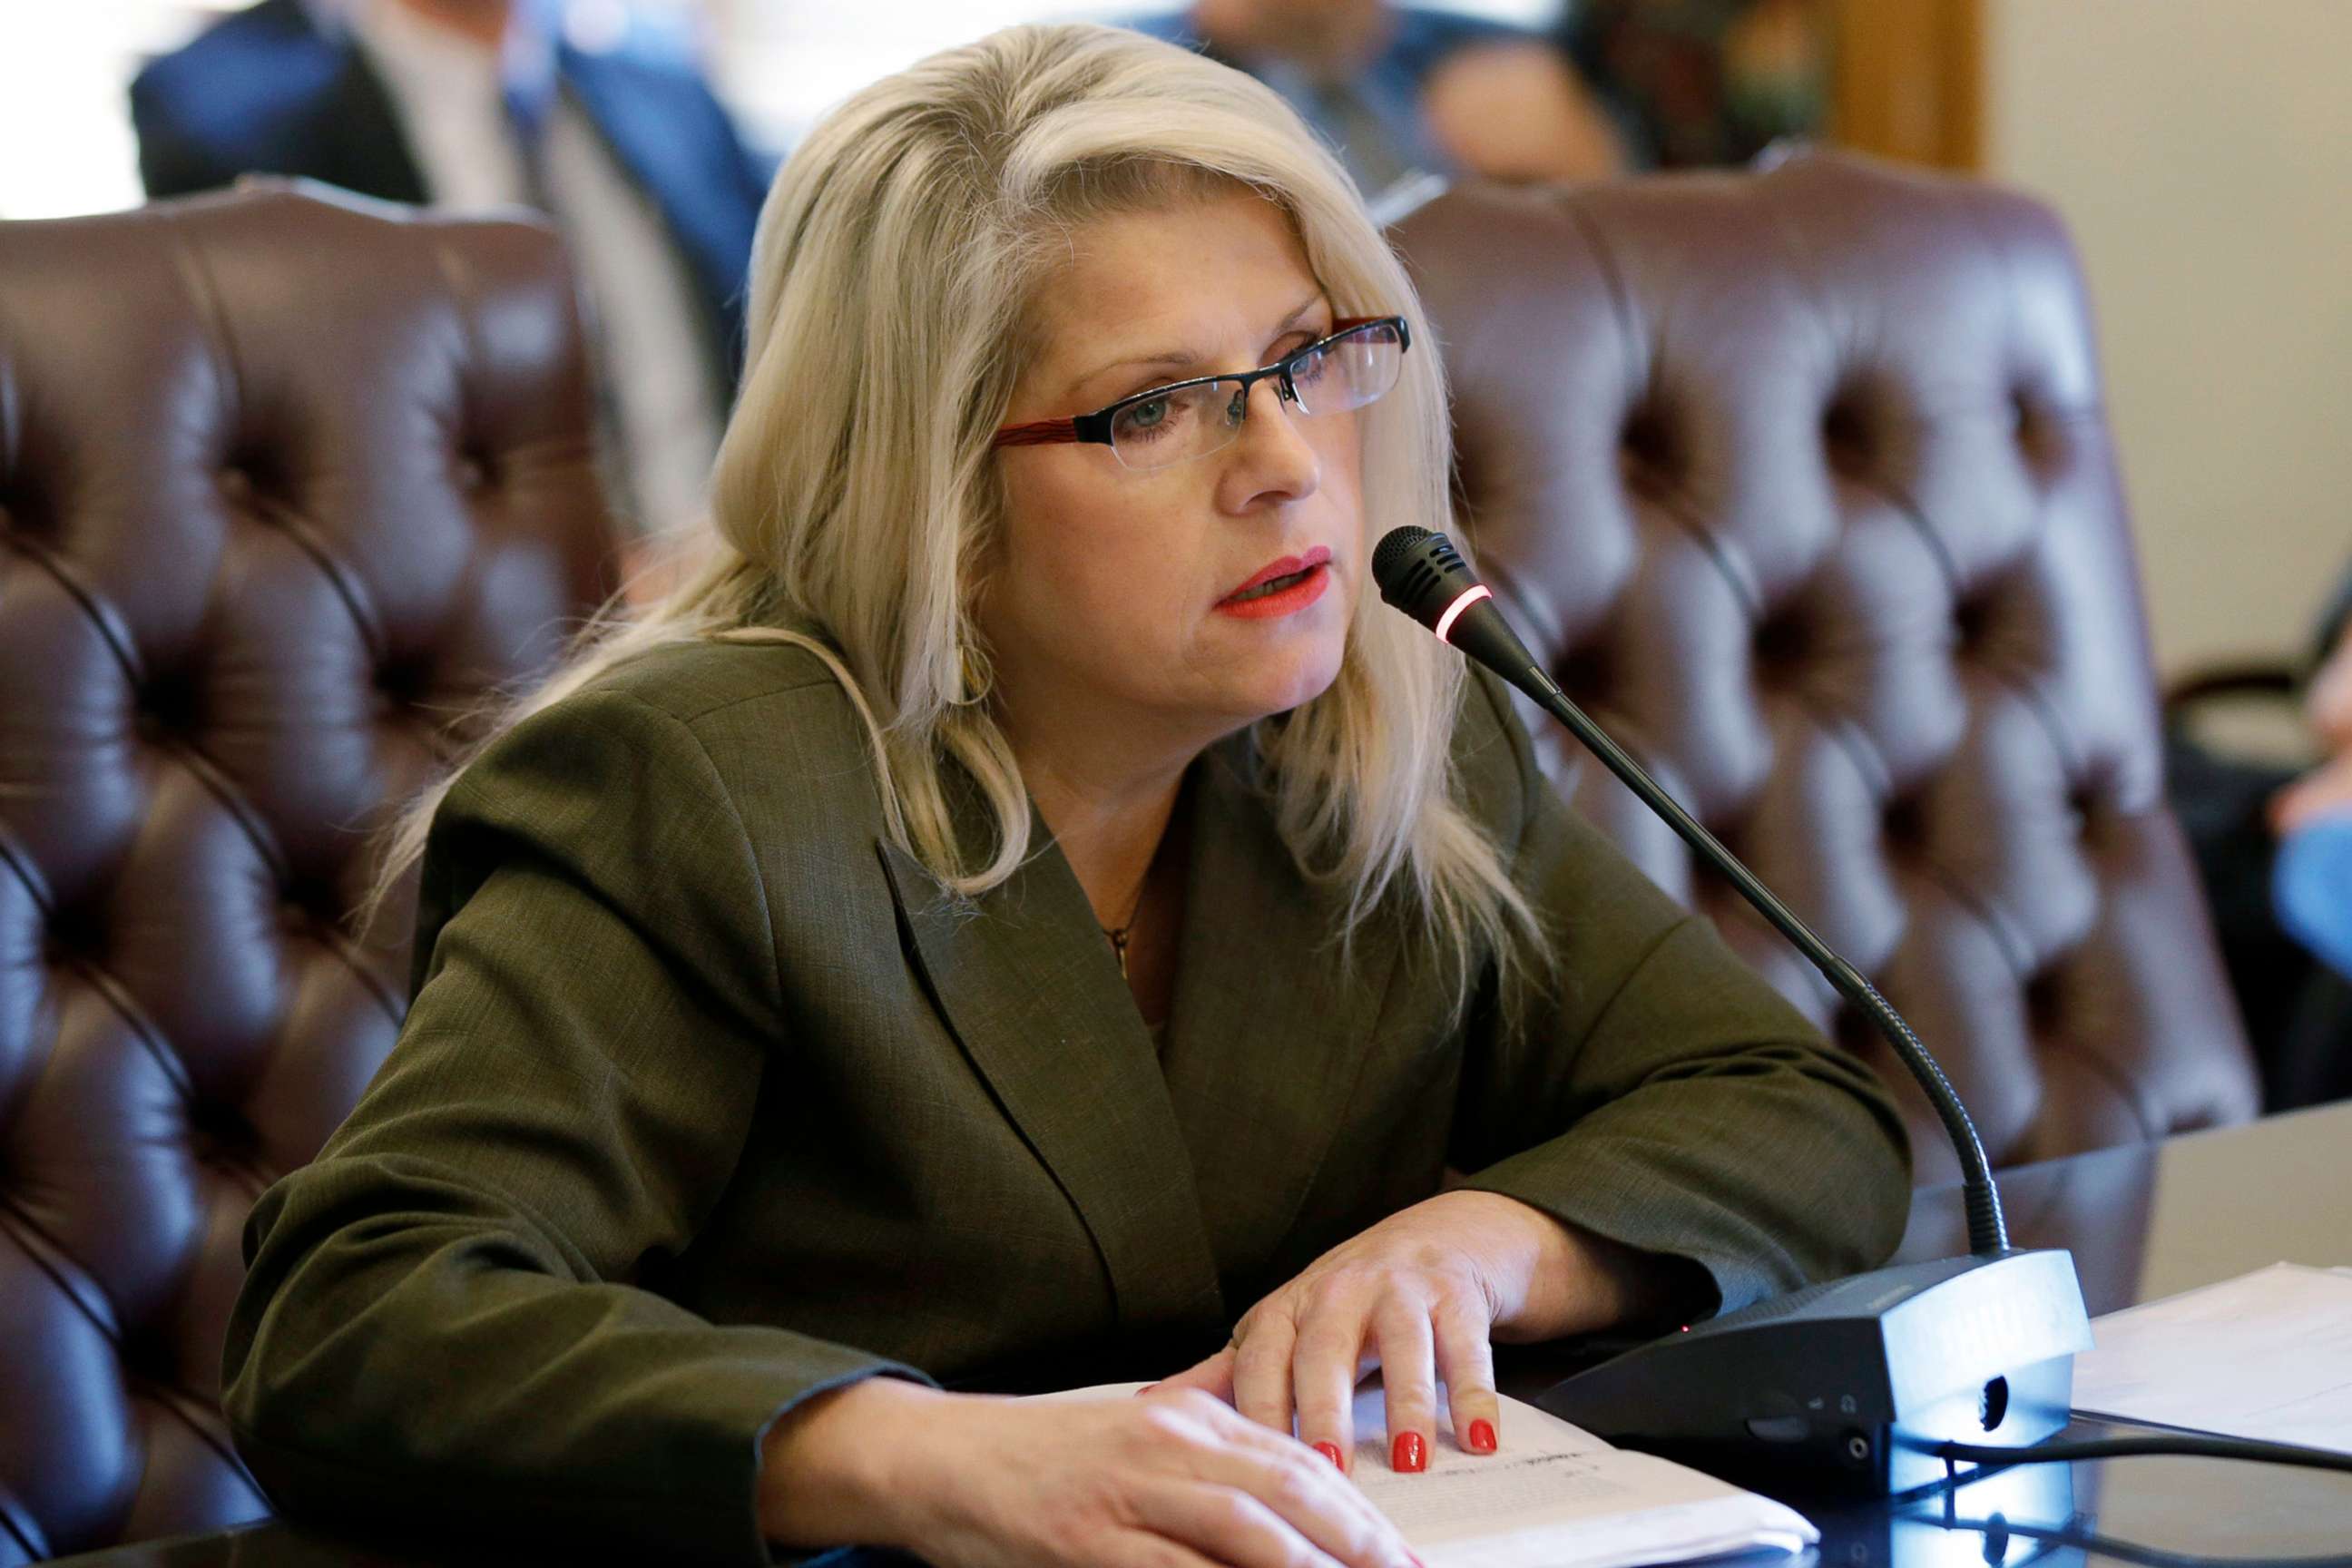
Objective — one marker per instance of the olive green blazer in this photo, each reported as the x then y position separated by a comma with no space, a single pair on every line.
710,1098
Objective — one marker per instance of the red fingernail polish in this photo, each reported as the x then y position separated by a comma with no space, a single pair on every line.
1481,1436
1408,1453
1331,1452
1145,1389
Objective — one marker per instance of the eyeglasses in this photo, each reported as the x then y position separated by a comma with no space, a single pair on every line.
1188,420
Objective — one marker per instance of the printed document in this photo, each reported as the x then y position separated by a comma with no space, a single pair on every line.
2267,1355
1554,1496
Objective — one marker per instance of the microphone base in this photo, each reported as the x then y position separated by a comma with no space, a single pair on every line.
1842,1388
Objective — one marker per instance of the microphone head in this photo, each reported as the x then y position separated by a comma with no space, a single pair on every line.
1422,574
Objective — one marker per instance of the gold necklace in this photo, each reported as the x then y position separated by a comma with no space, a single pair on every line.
1119,935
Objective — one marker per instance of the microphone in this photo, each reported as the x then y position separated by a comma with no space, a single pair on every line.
1855,1383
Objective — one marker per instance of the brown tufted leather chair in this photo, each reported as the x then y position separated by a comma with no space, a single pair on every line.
1799,481
284,483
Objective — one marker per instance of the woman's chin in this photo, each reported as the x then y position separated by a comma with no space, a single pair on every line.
1274,667
1272,691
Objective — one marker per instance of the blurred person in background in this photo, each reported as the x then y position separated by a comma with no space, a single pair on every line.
1408,97
476,103
2274,849
2327,791
1702,83
2311,877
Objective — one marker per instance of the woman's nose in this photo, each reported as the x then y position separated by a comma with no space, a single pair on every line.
1272,458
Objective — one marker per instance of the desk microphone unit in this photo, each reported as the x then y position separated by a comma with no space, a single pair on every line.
1849,1387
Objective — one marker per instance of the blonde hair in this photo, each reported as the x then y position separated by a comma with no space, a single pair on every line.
857,490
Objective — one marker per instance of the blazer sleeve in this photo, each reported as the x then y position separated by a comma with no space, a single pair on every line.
439,1323
1660,1093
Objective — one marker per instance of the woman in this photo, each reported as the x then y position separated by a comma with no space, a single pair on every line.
1023,913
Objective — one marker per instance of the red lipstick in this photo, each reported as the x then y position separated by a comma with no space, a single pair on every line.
1281,587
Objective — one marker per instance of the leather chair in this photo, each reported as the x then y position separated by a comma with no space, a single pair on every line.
1799,481
284,485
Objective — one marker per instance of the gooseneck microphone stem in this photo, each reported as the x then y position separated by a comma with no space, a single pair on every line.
1988,1232
1420,572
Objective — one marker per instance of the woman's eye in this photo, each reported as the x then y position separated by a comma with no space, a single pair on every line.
1148,420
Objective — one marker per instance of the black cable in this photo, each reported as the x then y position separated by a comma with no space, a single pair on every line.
2186,1445
1996,1529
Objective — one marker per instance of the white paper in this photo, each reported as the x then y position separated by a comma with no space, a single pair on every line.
1553,1496
2267,1355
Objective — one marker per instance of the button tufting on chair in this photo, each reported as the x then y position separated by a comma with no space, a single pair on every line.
226,431
1802,480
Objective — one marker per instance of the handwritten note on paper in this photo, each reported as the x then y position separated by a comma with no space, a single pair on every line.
2267,1355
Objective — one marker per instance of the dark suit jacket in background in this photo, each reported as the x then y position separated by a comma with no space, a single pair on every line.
270,89
709,1100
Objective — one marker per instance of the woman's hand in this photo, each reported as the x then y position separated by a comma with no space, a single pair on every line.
2327,789
1422,1296
1177,1479
2323,792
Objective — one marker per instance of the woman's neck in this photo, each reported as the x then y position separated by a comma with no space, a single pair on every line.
1108,822
1119,832
1106,784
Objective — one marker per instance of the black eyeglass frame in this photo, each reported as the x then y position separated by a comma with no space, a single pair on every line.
1095,428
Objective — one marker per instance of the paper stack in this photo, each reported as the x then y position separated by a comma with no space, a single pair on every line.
1553,1497
2267,1355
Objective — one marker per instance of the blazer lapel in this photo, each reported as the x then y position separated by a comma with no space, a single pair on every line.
331,117
1033,995
362,135
1267,1038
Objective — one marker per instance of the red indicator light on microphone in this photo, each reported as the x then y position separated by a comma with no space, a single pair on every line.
1452,611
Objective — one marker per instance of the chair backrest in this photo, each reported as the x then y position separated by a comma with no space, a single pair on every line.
1799,481
284,483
